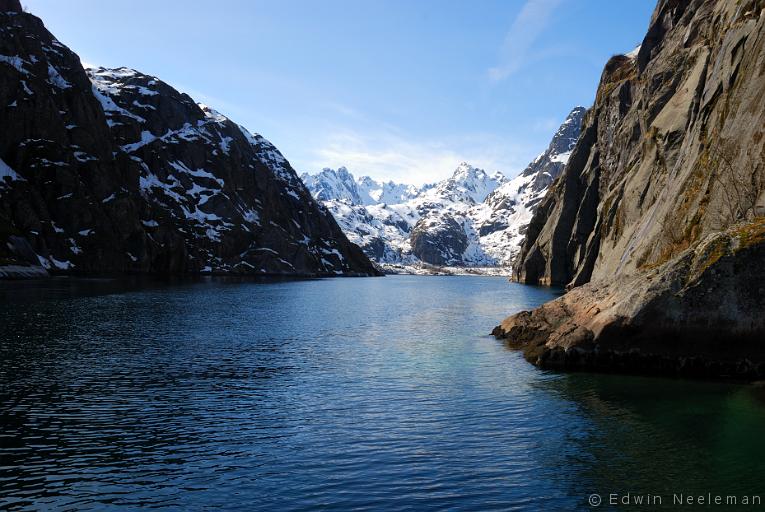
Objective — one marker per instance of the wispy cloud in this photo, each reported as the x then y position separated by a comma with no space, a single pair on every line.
387,158
545,125
389,155
528,25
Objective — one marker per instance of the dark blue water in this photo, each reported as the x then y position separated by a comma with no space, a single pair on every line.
381,394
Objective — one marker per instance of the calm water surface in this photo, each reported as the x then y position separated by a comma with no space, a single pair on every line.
382,394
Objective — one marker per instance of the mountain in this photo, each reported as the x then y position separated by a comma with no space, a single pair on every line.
114,171
340,185
387,192
472,218
425,224
509,208
657,225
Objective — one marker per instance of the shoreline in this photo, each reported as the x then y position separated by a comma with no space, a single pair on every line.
432,270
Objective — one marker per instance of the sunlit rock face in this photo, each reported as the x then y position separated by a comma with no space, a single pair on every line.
656,224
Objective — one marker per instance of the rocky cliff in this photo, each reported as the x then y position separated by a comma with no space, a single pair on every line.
114,171
656,223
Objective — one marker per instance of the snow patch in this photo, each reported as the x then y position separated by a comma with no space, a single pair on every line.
16,62
7,172
55,78
634,53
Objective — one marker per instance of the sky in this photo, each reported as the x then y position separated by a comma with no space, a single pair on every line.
395,89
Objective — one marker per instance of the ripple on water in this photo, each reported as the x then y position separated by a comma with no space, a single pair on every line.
340,394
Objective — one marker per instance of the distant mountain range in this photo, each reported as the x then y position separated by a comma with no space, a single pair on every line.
473,218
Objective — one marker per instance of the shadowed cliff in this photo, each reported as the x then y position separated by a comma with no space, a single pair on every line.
115,171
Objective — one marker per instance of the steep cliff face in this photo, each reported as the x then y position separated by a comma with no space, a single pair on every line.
656,222
670,152
111,171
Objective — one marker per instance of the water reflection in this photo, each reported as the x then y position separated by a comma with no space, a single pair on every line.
346,393
664,436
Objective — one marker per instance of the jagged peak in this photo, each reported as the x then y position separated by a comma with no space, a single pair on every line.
565,138
465,170
576,111
340,172
212,113
102,72
576,115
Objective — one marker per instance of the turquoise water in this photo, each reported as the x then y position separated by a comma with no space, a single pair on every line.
379,393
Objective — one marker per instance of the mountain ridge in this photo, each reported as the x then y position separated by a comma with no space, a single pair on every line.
113,171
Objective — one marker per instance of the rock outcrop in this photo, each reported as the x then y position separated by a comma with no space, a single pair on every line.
656,223
439,239
114,171
698,315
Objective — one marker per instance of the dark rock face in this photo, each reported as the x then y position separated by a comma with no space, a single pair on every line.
114,171
438,241
656,224
10,6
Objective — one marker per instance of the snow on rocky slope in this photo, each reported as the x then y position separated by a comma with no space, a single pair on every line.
114,171
471,219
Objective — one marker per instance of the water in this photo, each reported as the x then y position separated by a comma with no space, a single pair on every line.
383,394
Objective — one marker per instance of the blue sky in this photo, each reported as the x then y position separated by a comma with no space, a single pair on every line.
395,89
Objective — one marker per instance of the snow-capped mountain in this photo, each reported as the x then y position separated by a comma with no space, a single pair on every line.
468,184
112,171
330,184
428,224
472,218
507,211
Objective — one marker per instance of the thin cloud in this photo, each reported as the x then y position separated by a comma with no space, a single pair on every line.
545,125
391,156
528,25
